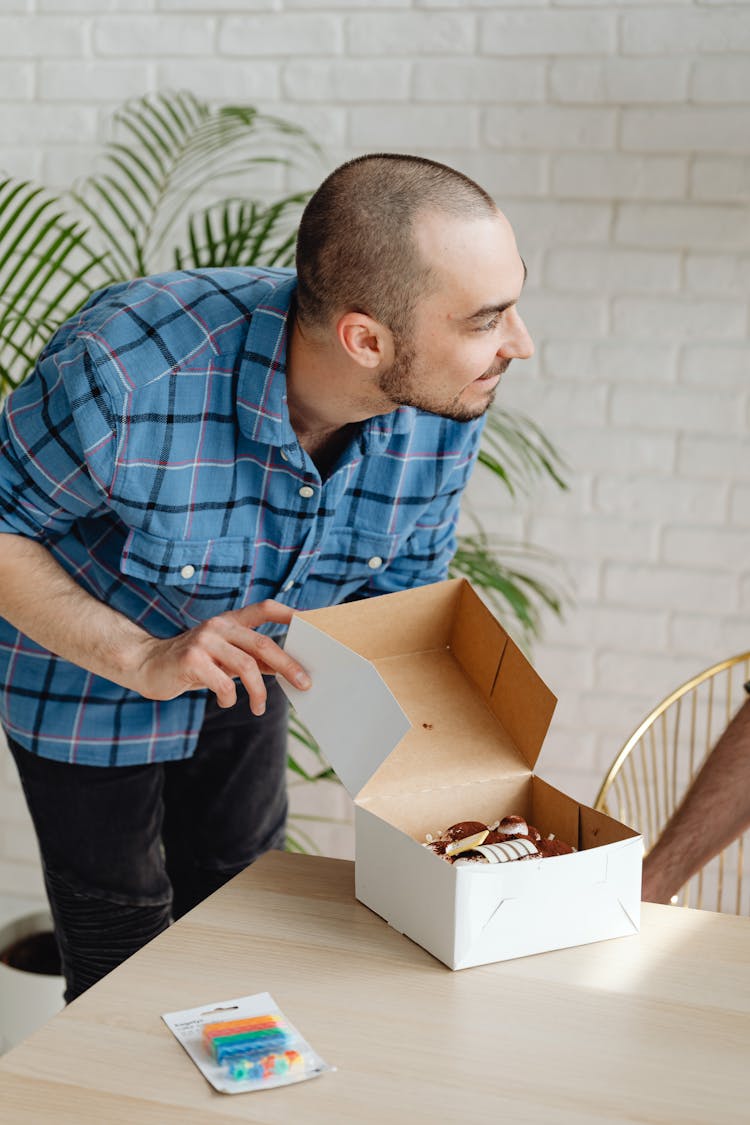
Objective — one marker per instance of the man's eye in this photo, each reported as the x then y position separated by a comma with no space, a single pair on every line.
490,324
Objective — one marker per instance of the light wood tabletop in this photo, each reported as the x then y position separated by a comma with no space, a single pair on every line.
654,1028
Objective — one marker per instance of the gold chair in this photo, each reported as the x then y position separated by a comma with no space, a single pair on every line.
650,775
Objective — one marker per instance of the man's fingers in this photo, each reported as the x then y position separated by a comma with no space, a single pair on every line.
224,648
256,689
271,657
222,685
238,662
268,610
220,664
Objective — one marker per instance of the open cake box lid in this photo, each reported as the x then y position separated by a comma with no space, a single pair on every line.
417,689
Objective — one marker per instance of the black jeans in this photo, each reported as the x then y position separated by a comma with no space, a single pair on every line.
126,849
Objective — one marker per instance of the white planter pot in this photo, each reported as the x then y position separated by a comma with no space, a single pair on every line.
27,1000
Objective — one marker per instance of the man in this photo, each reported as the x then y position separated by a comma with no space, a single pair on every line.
714,812
196,456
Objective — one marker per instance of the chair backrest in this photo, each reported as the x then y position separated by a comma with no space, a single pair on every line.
649,776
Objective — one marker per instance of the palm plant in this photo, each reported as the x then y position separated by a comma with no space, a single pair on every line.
136,215
47,270
141,212
174,147
516,453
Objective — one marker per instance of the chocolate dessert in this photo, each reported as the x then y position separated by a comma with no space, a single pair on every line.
503,841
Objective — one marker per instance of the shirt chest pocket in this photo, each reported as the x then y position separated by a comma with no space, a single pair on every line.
198,577
349,560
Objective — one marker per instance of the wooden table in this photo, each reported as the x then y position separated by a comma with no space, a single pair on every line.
652,1029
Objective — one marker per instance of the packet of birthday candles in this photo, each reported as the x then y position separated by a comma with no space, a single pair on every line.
245,1044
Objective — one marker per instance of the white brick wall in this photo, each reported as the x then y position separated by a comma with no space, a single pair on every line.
616,138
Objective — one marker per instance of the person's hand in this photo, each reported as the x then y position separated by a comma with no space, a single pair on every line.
209,655
658,883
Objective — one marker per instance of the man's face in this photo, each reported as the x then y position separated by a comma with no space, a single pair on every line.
466,329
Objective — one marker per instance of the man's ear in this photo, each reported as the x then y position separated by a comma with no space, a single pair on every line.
365,341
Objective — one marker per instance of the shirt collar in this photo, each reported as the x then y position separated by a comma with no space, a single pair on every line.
261,390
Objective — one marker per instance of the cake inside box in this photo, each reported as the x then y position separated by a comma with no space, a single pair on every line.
432,810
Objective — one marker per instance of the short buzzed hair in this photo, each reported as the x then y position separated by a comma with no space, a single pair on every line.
355,249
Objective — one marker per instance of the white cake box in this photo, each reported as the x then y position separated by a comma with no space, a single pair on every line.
430,714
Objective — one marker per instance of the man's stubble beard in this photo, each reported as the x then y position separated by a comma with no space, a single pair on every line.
397,384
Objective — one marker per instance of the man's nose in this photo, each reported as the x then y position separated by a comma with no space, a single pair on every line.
517,343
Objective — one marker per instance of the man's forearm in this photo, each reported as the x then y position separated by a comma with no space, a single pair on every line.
45,603
716,810
38,597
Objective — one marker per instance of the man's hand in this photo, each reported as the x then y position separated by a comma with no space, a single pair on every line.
209,655
719,796
45,603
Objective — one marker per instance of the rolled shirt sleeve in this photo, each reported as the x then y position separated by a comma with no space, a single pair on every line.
57,443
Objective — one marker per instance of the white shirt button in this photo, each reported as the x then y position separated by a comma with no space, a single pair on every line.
306,492
187,571
374,562
288,586
284,456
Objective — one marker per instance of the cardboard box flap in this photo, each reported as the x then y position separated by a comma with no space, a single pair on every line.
455,739
515,692
349,709
522,702
469,703
407,621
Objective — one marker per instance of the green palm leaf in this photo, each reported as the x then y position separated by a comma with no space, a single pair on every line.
500,569
240,232
47,270
167,148
517,452
299,732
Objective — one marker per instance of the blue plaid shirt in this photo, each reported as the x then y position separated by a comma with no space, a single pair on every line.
151,453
